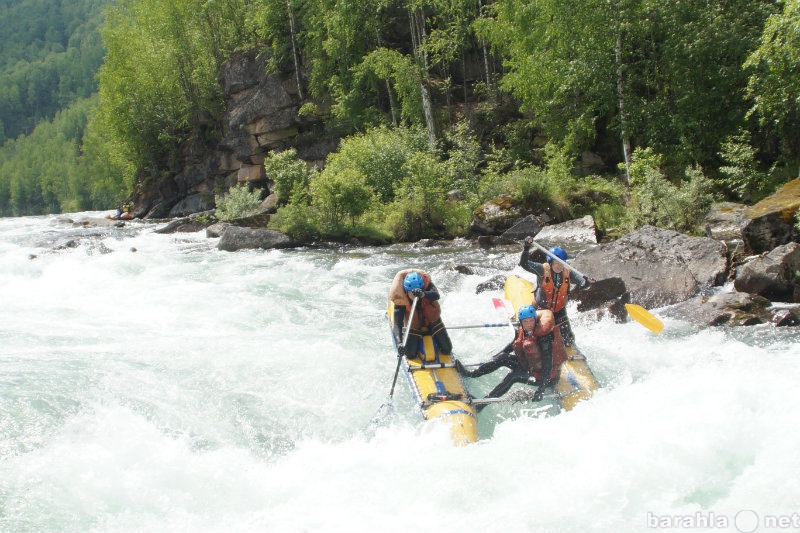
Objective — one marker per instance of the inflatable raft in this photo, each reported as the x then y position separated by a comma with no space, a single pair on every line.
576,382
439,391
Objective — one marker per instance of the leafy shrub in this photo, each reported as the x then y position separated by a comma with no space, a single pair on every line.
656,201
741,175
298,220
420,208
240,202
287,172
340,194
379,155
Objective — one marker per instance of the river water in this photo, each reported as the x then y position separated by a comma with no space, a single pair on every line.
150,382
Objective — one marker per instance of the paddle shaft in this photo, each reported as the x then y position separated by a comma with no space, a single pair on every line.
555,257
497,325
405,338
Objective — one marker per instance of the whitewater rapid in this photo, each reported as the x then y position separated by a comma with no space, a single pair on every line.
150,382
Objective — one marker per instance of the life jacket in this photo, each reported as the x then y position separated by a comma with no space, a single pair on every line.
428,312
527,348
555,298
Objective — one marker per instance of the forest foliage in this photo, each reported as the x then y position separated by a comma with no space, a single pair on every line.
686,102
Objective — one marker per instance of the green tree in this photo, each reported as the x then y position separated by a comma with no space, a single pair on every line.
774,83
158,85
657,73
49,53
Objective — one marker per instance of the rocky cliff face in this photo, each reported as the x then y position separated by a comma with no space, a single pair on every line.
261,116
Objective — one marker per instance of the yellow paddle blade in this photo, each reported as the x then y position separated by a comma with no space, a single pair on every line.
644,317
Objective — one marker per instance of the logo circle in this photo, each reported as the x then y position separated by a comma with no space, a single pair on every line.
746,521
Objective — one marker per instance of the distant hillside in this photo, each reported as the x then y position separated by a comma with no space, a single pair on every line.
50,51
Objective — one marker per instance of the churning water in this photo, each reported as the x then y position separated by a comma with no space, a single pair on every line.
150,382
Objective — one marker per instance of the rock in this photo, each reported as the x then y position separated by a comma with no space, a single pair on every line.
162,209
725,221
659,267
488,241
528,226
724,309
597,294
426,243
192,204
771,221
270,204
775,275
95,222
238,238
785,318
258,220
495,216
580,230
591,163
494,284
215,231
609,295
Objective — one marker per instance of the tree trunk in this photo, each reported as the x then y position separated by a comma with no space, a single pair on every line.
388,85
626,143
294,50
417,21
485,52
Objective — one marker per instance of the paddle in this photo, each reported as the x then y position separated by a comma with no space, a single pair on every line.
515,398
636,312
387,407
500,307
498,325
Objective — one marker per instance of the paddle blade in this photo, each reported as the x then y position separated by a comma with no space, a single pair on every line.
385,412
644,317
500,307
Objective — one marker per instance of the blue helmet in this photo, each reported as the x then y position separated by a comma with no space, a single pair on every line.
526,311
413,281
558,252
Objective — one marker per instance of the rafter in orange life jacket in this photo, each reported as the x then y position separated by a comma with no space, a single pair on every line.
555,297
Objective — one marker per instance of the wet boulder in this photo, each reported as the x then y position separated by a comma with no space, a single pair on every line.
774,275
239,238
659,267
528,226
723,309
609,296
578,231
188,224
725,221
771,222
495,283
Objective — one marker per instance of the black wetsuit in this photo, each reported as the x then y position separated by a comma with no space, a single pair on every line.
519,374
541,301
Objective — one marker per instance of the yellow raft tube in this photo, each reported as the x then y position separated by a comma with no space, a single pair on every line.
439,390
576,382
